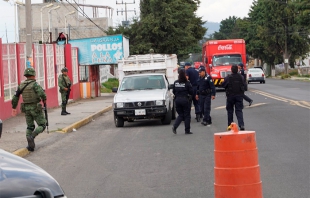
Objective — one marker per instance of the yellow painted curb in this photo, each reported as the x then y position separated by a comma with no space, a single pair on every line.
85,120
21,152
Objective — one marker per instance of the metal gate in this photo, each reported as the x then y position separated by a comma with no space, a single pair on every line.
9,62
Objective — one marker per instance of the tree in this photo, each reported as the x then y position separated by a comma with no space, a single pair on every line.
167,26
279,30
227,28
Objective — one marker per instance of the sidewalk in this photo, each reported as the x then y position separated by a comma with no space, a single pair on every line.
292,78
82,112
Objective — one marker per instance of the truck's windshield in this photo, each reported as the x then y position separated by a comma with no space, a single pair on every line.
130,83
227,59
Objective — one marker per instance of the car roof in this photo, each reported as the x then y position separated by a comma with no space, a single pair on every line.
146,74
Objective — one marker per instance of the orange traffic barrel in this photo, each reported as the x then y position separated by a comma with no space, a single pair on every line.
236,168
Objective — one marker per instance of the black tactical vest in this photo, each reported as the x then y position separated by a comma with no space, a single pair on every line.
235,85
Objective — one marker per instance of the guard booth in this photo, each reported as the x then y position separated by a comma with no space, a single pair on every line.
89,81
94,52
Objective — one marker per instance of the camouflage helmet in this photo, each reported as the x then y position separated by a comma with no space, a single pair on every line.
29,72
64,69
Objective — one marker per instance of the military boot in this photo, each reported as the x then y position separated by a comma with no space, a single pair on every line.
31,144
63,111
66,111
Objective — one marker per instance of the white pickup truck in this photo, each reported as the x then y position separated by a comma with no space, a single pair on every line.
144,91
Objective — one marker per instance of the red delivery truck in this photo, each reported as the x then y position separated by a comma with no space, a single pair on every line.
219,55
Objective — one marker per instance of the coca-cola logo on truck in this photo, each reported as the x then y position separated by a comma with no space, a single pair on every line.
225,47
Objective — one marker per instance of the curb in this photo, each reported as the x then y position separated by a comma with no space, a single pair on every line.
21,152
24,151
85,121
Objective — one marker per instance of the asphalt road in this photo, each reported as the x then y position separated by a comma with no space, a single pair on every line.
145,159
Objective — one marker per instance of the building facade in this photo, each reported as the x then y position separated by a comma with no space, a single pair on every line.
76,25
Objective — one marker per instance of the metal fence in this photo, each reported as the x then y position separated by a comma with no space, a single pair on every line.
39,64
10,73
22,59
75,66
50,70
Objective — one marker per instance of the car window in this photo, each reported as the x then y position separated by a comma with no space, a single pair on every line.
142,83
255,70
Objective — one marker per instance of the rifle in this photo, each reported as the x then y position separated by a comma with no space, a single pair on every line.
69,89
68,92
0,127
46,117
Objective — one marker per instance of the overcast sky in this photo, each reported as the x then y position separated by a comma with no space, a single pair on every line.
210,10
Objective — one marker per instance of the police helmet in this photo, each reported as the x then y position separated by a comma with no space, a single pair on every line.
240,64
64,69
29,72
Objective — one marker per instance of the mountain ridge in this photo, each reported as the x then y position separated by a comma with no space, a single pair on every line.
212,27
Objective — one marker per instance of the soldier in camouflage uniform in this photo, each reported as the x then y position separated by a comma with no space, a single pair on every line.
64,84
32,94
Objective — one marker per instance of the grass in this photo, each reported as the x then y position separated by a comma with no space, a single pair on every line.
107,86
306,76
293,73
283,76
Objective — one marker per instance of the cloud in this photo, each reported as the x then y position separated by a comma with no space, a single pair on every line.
209,10
218,10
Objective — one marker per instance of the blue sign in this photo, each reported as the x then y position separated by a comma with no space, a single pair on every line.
99,50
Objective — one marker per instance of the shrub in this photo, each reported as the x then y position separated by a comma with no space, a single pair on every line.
112,82
293,73
283,76
105,90
108,85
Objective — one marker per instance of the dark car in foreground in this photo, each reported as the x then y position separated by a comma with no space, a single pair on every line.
21,178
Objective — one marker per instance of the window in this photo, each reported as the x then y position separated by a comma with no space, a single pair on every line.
142,83
227,59
84,73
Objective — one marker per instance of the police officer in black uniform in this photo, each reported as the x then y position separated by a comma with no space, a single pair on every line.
234,86
241,71
183,92
193,76
205,92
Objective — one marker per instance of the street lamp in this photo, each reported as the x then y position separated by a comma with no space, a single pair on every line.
66,22
46,6
49,21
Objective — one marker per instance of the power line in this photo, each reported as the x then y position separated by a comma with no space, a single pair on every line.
85,15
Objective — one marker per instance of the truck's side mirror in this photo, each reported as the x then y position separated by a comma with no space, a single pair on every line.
0,127
206,60
210,65
171,86
114,89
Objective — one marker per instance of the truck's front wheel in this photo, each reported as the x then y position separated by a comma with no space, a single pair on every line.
168,117
119,121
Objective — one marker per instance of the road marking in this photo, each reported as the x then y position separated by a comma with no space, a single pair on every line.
303,104
271,96
300,103
221,107
254,105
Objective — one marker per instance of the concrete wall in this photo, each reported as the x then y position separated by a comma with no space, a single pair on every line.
79,27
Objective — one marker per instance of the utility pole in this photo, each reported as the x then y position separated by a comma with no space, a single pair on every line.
286,58
125,23
6,34
28,33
